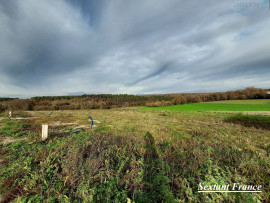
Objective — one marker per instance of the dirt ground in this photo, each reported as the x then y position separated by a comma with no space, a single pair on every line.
7,140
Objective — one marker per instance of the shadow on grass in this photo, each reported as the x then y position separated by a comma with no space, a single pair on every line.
156,187
257,121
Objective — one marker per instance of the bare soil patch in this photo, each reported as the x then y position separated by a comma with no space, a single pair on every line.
7,140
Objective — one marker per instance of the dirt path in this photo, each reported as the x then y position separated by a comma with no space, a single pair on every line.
7,140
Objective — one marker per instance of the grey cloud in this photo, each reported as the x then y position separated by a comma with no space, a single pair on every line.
91,10
55,47
255,69
163,68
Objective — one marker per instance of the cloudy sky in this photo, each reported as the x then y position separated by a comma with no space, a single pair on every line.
63,47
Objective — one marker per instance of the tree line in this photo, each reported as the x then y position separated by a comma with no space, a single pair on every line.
107,101
6,98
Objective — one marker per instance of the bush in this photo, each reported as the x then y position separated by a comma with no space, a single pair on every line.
2,108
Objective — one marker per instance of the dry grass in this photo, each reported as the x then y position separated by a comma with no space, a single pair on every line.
141,155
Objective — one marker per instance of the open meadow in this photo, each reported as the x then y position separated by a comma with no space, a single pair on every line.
248,101
226,105
135,154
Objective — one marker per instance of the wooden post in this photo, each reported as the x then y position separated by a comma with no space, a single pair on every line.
44,131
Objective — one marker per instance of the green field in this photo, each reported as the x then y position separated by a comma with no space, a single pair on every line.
249,101
242,105
133,155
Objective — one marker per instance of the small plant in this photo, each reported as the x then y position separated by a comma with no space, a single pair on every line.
14,128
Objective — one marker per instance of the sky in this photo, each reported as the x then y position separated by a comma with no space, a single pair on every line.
66,47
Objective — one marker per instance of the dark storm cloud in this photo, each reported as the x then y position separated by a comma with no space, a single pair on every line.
98,46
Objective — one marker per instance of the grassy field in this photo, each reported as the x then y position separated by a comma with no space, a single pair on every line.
133,154
249,101
233,105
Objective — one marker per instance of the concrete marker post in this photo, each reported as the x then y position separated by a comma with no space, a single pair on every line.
44,135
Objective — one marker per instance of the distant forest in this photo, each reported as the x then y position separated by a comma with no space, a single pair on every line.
107,101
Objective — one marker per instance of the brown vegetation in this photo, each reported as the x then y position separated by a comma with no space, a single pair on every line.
107,101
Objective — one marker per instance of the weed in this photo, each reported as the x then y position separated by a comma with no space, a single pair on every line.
155,159
14,128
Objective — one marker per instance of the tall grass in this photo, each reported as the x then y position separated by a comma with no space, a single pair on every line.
141,160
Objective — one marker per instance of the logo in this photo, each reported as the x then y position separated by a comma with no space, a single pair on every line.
249,4
235,187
